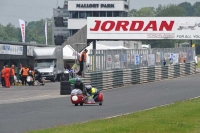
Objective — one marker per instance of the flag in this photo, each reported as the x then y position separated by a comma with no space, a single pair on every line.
22,26
46,31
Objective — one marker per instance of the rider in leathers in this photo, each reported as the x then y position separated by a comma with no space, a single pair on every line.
92,92
79,85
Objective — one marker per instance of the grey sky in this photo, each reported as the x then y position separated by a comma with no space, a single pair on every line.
30,10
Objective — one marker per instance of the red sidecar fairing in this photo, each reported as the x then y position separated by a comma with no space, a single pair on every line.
77,96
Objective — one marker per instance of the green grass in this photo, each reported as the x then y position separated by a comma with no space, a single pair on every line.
198,65
181,117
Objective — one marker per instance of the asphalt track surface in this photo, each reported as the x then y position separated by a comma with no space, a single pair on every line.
24,115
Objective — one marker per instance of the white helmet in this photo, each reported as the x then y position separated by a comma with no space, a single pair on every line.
88,88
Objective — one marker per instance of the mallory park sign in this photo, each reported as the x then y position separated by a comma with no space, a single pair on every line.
95,5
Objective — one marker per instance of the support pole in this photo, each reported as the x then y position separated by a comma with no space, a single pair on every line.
190,43
94,56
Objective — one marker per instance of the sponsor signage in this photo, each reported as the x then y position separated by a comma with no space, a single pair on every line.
11,49
95,5
135,28
30,50
22,26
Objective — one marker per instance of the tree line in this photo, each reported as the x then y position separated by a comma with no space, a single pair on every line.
35,32
171,10
35,29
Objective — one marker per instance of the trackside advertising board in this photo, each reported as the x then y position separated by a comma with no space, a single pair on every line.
143,28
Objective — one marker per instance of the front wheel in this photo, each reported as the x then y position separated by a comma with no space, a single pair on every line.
81,104
76,104
100,104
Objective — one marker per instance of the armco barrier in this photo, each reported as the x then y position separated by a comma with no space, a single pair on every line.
117,78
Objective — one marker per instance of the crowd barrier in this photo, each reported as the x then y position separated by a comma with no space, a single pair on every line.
118,78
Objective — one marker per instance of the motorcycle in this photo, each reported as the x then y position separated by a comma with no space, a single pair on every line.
77,97
39,80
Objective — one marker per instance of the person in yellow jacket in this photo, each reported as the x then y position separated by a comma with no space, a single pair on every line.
92,92
24,74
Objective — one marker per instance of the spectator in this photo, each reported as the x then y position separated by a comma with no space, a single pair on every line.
164,62
20,70
82,61
71,71
24,74
12,75
3,77
7,76
68,67
170,61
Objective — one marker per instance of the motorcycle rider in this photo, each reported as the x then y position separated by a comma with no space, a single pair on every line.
79,85
92,92
38,77
31,74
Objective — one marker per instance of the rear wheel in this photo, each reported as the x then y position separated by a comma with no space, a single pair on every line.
76,104
81,104
100,104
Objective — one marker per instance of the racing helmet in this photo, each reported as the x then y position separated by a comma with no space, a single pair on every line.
77,81
88,88
30,72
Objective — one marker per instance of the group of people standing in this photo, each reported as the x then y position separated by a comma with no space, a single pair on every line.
8,75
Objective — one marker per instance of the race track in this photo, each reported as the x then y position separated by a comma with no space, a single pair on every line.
43,113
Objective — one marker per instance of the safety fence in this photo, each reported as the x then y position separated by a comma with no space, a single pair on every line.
117,78
106,60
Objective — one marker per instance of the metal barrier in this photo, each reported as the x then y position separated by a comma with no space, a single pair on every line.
106,60
117,78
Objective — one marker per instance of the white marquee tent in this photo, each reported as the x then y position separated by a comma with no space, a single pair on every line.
104,47
69,53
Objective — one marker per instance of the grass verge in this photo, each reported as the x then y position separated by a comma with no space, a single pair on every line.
181,117
198,65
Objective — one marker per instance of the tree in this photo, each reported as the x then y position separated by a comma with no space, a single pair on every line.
196,8
11,32
172,11
35,31
187,7
3,34
146,12
133,13
159,9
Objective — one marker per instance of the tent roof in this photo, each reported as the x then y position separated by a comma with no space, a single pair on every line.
69,53
104,47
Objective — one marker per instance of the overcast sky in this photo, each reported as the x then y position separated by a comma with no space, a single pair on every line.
30,10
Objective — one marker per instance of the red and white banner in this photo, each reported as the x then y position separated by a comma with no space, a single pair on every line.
46,31
143,28
22,26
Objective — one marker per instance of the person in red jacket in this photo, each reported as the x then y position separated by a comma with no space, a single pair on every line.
3,76
7,76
